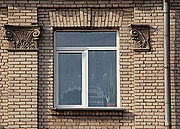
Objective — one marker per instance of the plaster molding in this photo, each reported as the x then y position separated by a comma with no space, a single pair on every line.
22,37
140,34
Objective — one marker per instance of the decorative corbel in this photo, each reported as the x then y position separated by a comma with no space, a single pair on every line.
22,37
140,34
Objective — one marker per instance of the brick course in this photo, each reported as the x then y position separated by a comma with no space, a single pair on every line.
22,93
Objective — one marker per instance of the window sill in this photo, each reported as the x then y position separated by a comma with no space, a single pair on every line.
86,111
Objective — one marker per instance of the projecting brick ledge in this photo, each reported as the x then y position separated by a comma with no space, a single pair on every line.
87,111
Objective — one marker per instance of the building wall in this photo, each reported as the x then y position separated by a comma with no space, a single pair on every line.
27,80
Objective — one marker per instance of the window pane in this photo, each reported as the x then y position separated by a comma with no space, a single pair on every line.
102,84
70,78
85,39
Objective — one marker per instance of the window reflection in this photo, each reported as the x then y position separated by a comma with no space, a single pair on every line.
85,39
102,78
70,78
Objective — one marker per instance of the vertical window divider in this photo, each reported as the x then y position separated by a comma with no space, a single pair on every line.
55,79
86,77
83,79
118,68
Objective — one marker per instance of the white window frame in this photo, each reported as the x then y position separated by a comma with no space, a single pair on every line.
84,51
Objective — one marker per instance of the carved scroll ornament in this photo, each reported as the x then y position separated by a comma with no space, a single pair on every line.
140,35
22,37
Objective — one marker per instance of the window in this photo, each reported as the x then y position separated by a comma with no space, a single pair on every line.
86,70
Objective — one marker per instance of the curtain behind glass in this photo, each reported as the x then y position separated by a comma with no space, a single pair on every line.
70,78
102,83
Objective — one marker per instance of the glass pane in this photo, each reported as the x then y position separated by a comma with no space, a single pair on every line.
102,84
85,39
70,78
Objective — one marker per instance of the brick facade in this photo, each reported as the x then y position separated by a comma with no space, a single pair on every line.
27,76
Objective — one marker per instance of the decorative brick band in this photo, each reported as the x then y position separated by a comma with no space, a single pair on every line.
86,17
22,37
86,112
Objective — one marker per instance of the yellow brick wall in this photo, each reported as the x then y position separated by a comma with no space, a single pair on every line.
175,60
3,72
148,69
22,90
26,77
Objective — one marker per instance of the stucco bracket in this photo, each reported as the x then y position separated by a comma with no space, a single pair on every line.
140,34
22,37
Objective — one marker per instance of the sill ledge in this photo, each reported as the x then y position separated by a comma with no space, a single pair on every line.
86,111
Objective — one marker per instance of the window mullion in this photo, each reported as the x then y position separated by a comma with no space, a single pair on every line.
117,70
56,80
85,78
